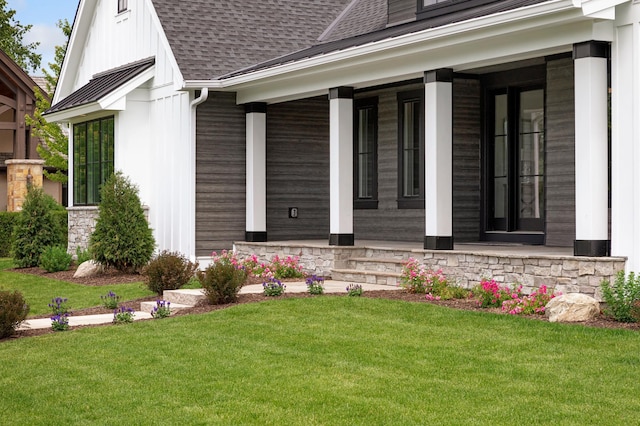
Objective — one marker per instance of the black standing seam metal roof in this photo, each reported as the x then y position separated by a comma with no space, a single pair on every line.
102,84
387,33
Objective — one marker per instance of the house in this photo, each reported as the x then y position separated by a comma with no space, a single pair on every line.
423,121
18,156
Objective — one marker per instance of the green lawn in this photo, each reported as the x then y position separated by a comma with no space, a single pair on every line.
325,360
39,291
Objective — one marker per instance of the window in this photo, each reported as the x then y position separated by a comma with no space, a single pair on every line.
435,8
122,6
365,153
411,150
92,159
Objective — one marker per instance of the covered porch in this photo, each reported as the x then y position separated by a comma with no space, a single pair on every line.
380,262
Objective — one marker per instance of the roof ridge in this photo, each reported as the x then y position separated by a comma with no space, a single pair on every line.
327,32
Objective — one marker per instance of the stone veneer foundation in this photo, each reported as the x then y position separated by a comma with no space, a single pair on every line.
567,274
82,223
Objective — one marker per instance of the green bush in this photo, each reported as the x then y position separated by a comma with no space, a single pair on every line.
168,271
54,259
35,229
122,238
82,255
622,297
222,281
13,310
7,222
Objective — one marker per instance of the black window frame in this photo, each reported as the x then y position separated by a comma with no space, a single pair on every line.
447,6
365,202
123,6
417,201
86,191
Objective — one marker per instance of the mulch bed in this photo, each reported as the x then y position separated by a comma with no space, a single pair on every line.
115,277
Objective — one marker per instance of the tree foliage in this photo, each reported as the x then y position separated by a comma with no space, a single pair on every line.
53,147
12,33
122,238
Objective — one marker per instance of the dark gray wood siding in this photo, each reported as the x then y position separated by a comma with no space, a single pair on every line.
387,222
466,160
560,154
401,11
298,169
220,173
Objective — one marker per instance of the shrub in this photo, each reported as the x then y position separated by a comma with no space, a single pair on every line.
354,290
491,295
223,279
110,300
54,259
35,229
273,287
288,267
256,268
122,238
161,310
528,305
123,316
168,271
315,285
7,222
416,278
13,310
82,255
622,297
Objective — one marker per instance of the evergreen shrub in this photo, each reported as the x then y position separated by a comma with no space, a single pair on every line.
122,238
54,259
36,228
7,222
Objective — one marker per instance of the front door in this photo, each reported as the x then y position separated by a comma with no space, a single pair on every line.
514,177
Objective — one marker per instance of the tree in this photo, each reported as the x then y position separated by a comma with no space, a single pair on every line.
54,145
11,35
122,238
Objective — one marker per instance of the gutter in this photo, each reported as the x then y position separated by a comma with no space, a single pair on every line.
204,95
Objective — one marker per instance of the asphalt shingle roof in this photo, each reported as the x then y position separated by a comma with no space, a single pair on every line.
387,33
210,38
102,84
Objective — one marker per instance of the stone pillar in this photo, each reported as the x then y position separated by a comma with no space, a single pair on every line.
256,213
341,166
591,125
438,159
21,173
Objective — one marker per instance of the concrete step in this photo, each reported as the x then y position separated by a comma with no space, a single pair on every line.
368,277
376,264
174,307
190,297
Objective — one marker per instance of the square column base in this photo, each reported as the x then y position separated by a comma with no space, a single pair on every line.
341,239
592,248
255,236
438,243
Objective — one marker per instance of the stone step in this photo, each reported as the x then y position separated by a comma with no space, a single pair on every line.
190,297
368,277
376,264
174,307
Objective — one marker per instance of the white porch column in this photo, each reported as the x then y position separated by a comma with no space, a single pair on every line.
625,144
256,220
592,212
341,166
438,170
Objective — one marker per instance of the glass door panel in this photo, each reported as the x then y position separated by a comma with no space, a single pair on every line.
531,160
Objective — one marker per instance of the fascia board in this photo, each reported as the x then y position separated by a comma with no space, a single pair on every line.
71,62
68,115
603,9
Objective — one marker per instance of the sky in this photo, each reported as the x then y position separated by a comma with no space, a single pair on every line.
43,15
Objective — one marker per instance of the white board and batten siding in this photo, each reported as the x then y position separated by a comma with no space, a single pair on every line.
153,143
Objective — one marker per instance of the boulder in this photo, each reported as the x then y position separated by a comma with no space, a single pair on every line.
572,307
90,268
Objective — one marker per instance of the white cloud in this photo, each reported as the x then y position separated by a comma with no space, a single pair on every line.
49,37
